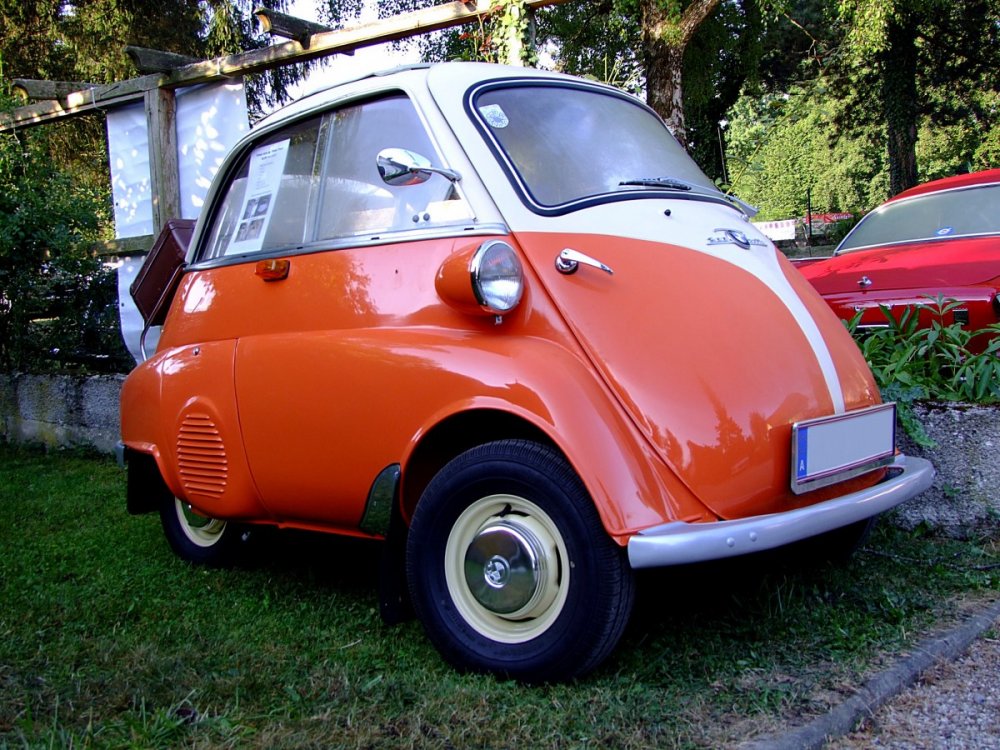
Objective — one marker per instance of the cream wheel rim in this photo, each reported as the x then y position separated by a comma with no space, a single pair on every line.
200,530
506,568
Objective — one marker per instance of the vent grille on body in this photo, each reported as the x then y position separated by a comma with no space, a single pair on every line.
201,457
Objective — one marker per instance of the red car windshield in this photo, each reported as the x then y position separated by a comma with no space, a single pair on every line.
962,212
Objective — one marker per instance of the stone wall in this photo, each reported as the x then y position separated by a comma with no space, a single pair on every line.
59,410
964,500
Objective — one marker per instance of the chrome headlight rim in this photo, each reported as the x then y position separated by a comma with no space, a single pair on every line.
492,302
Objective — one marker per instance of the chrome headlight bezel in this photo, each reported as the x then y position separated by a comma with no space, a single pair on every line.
497,277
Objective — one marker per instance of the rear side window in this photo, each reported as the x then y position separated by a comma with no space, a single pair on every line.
318,180
963,212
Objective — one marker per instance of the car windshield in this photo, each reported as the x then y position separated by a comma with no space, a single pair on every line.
565,144
963,212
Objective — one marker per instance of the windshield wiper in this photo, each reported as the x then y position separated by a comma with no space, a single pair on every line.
672,183
666,183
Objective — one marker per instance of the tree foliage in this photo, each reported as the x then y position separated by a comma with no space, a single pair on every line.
831,121
784,155
691,59
922,60
57,302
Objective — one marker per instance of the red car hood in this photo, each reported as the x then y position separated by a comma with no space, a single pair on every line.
941,263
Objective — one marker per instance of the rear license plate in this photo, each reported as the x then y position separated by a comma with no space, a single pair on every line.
831,449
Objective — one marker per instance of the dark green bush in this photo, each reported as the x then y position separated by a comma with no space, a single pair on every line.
58,301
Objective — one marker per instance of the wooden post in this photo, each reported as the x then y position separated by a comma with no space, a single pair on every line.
161,120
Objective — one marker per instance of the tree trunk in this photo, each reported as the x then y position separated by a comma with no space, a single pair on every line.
665,36
664,86
899,101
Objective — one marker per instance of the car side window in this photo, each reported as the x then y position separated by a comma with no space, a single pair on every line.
355,200
319,180
271,197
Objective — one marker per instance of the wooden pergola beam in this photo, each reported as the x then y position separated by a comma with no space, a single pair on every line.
322,44
28,88
156,61
123,247
289,27
84,101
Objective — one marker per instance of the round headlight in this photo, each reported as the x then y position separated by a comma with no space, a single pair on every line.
497,278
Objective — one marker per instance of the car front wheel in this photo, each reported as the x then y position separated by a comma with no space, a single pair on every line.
510,569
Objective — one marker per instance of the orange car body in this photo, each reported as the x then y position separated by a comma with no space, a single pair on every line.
668,364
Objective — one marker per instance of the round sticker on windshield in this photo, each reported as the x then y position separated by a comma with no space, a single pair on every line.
944,231
494,115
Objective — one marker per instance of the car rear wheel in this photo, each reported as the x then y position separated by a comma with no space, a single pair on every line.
510,569
199,538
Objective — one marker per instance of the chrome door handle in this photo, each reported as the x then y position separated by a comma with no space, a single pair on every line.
568,261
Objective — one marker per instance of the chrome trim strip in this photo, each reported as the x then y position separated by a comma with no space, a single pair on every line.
387,238
679,542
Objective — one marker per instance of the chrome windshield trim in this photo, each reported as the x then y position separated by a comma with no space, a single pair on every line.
679,543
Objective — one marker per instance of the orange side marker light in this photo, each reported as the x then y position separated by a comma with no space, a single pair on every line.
275,269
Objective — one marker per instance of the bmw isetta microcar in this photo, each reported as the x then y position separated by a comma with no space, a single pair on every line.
499,319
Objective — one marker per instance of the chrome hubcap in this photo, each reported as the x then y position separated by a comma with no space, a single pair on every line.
201,530
507,568
504,566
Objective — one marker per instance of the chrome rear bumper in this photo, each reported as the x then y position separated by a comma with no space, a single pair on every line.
680,542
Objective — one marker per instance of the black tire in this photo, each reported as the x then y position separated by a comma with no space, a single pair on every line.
200,539
474,534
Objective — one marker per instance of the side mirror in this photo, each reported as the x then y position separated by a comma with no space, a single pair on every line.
399,167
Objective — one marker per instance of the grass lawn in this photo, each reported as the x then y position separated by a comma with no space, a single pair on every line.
107,640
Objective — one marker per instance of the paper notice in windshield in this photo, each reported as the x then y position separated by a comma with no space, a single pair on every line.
267,165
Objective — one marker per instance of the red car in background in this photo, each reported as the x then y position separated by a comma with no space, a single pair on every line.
939,239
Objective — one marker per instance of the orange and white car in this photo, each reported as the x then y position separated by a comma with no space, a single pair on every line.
499,318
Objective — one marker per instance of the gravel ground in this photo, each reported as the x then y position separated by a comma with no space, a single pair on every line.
945,694
954,706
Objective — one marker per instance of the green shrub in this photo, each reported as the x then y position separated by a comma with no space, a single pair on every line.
912,363
58,302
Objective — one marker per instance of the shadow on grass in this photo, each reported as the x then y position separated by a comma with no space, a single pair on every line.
345,563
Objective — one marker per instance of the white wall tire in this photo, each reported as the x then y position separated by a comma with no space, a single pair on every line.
200,530
510,569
